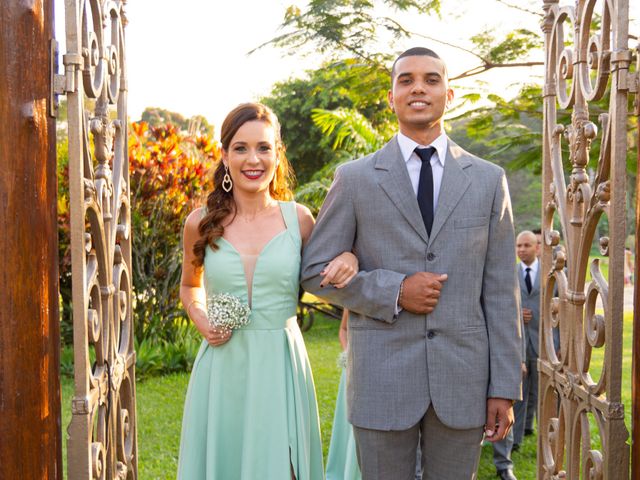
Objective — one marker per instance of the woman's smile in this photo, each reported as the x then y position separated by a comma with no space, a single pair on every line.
253,174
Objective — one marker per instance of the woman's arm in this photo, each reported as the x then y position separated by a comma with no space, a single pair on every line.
342,333
192,292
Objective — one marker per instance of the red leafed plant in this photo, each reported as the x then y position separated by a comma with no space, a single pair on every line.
170,173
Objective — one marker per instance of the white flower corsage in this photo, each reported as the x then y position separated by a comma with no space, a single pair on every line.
227,311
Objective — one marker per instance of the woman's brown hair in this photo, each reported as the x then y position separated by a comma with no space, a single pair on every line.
220,204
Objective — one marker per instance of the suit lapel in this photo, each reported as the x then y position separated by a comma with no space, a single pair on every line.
455,183
394,180
536,281
523,286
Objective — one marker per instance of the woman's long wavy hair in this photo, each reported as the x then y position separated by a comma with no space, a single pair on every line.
220,204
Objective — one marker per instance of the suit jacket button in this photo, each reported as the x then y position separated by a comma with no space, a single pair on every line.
431,256
431,334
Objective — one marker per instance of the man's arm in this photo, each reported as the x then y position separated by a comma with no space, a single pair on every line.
500,299
372,293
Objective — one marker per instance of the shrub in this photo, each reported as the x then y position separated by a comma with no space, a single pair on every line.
168,171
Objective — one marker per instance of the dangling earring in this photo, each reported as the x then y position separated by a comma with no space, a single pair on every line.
227,184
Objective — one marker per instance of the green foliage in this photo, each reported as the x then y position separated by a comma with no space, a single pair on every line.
350,130
313,193
350,26
197,124
348,84
154,356
169,172
64,240
353,136
515,45
160,357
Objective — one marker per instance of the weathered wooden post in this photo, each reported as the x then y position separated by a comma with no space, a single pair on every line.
30,431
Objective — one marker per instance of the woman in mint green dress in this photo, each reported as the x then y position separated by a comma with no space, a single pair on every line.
342,462
250,411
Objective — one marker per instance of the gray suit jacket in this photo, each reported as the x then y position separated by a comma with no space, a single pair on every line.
468,348
532,302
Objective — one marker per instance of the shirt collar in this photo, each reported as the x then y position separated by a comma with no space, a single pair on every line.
533,266
407,146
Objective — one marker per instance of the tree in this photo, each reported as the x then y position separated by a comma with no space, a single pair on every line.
346,83
355,28
197,124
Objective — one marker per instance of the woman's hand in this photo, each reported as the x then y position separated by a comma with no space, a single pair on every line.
217,336
340,270
214,335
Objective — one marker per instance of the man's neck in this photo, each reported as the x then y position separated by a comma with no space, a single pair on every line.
423,135
530,262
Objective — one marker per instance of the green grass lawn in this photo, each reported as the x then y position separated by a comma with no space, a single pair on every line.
160,401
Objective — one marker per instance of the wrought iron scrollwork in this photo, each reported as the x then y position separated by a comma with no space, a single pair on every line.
102,433
581,418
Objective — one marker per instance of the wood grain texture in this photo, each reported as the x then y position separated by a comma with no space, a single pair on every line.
30,431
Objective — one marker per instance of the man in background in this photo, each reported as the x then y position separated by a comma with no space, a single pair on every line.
527,249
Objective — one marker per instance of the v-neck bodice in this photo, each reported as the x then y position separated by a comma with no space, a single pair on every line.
274,286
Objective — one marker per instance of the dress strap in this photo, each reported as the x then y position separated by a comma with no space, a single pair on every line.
290,215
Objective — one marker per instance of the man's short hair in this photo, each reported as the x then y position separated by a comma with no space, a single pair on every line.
413,52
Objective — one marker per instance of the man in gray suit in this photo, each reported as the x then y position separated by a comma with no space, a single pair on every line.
529,279
434,338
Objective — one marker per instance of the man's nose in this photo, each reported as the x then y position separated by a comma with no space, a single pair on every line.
418,87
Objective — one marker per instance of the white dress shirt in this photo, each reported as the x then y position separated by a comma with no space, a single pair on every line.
411,158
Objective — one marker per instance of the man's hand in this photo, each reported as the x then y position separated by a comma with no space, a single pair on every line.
527,315
421,291
499,418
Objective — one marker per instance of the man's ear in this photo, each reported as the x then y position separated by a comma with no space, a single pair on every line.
390,100
450,96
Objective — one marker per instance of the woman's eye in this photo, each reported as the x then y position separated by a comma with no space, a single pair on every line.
239,149
265,148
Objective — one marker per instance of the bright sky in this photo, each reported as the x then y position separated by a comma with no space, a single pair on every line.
191,56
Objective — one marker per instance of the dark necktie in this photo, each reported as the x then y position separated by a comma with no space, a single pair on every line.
425,187
527,279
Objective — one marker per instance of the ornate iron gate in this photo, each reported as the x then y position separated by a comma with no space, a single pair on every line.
102,434
581,415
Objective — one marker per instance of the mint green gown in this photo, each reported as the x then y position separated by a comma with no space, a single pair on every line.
342,462
250,411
